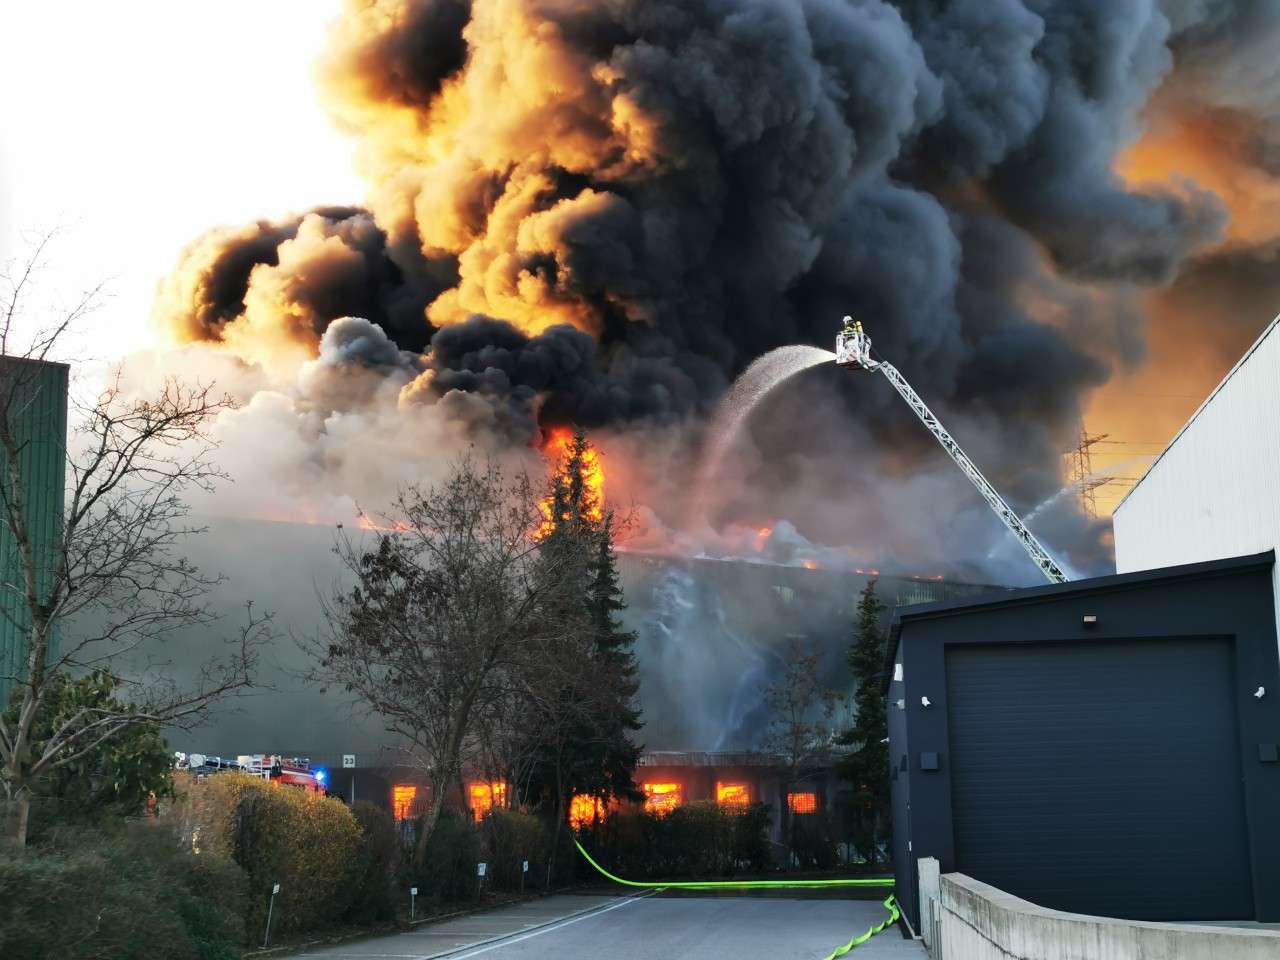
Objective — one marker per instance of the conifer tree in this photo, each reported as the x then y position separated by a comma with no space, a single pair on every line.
583,744
867,766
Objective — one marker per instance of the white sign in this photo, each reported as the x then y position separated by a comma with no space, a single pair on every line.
525,867
480,867
348,761
413,891
275,889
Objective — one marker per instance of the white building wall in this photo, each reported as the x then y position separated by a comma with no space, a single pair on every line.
1215,492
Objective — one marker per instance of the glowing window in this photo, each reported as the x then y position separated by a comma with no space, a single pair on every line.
486,796
802,802
584,809
402,797
661,797
735,795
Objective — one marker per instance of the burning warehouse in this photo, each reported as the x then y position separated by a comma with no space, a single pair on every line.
710,635
602,214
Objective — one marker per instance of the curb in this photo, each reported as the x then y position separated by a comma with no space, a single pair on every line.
407,926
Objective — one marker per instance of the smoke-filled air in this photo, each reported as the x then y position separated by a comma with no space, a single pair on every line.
601,213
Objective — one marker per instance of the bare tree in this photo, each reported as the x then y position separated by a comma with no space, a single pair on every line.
96,580
452,602
801,734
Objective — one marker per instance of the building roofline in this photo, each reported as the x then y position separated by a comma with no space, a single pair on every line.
36,361
1200,409
1028,595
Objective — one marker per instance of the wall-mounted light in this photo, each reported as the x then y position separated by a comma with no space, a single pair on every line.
1089,621
1260,692
925,702
901,704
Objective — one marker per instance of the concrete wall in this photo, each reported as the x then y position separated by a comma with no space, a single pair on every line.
974,921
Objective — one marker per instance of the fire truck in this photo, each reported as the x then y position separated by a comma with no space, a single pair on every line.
276,769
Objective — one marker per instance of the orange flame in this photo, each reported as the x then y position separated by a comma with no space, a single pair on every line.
402,798
661,797
734,795
802,802
486,796
556,451
584,809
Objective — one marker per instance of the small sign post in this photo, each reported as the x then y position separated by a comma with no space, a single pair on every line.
275,888
480,869
413,896
524,870
349,763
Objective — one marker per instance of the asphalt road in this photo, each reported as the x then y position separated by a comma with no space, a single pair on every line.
644,927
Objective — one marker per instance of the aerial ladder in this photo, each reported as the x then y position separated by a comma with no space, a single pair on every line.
853,352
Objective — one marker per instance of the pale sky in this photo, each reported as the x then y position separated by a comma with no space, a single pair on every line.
141,123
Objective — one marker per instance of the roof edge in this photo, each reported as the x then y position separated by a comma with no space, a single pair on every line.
1115,581
1199,410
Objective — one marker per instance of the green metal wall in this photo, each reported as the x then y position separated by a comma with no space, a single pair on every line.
33,399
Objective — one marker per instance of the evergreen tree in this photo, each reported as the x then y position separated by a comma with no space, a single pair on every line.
582,746
867,766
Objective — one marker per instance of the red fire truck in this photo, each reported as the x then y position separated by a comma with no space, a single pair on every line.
290,771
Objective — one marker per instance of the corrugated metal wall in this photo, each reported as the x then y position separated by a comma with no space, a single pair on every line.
33,396
1215,493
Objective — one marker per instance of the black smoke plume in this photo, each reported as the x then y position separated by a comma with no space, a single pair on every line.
601,213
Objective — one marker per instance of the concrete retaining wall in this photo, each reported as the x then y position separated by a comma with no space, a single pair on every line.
974,921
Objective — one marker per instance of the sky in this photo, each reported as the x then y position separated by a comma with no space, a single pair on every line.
138,125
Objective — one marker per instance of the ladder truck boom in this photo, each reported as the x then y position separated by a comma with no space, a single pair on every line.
853,352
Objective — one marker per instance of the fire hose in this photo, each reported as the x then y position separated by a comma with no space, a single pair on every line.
889,904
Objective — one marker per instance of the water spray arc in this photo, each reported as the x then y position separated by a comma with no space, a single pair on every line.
853,352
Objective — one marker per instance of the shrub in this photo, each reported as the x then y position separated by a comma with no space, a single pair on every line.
448,871
510,838
307,843
371,894
125,892
814,840
699,839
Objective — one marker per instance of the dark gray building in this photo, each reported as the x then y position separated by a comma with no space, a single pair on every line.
1107,747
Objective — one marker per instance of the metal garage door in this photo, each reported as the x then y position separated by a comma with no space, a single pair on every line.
1101,778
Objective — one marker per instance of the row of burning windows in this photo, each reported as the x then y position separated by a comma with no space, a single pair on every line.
658,798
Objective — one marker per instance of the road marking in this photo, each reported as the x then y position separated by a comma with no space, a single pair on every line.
504,941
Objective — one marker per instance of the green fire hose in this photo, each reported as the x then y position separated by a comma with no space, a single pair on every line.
890,904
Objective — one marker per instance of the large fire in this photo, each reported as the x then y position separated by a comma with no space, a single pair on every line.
556,450
485,796
403,796
584,809
661,797
734,795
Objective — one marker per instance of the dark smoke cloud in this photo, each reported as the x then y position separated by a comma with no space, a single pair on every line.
603,212
306,272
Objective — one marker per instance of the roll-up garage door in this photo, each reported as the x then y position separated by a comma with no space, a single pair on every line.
1101,778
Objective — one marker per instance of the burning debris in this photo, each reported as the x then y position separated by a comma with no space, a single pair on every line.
601,213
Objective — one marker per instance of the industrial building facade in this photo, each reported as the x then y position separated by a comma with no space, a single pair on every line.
1106,747
33,413
1215,491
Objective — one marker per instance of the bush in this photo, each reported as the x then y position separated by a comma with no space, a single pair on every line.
448,871
128,891
700,840
372,883
814,840
307,843
510,838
